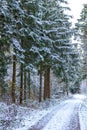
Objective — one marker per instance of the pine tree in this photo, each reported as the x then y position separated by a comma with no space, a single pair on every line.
57,29
4,44
81,26
39,33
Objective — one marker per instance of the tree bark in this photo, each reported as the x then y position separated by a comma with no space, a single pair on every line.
45,85
21,83
47,82
29,84
40,90
25,86
14,79
67,88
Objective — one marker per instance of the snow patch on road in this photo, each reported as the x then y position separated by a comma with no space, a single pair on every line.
80,96
83,117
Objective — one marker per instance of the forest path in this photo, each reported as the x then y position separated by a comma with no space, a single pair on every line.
64,116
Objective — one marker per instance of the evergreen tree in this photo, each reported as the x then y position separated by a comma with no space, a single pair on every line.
38,33
81,27
4,43
57,28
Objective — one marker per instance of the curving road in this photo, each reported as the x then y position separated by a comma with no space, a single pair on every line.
63,117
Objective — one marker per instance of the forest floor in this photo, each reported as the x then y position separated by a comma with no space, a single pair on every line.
64,114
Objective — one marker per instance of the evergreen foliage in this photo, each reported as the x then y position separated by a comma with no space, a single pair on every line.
81,27
39,34
4,42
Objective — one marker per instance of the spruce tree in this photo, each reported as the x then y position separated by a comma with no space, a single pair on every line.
81,26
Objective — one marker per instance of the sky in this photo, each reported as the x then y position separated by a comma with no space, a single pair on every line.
76,7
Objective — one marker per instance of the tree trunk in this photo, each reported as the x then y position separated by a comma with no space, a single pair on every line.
1,77
45,83
40,90
0,91
48,82
14,79
29,84
67,88
21,83
24,86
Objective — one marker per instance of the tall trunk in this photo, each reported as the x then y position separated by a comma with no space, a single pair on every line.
44,96
25,85
45,83
34,92
14,79
48,82
0,91
67,92
67,88
0,74
21,83
29,84
40,90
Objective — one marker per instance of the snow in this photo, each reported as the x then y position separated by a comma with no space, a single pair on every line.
17,45
83,116
79,96
62,118
15,117
28,121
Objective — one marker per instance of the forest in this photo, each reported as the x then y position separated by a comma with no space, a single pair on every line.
38,58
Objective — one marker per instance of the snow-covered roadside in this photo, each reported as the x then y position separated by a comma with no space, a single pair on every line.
19,118
15,117
83,116
35,116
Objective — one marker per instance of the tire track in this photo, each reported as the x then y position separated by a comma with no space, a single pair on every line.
44,120
74,122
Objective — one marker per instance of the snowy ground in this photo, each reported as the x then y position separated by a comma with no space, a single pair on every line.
67,118
15,117
55,116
